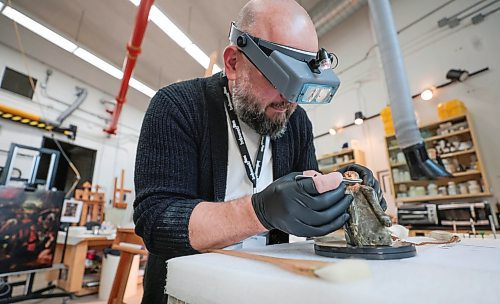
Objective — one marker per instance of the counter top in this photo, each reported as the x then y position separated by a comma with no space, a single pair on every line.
465,272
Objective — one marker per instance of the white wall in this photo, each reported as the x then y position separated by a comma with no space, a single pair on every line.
113,152
429,52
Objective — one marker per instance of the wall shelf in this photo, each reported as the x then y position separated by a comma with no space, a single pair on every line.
328,162
417,199
453,154
451,134
459,158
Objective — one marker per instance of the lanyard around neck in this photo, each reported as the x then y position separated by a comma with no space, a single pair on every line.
253,172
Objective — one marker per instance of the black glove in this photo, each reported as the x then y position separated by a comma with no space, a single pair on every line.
367,176
296,207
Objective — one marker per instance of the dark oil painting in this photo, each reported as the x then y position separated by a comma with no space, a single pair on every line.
29,222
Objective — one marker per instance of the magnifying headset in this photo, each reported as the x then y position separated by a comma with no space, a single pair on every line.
301,76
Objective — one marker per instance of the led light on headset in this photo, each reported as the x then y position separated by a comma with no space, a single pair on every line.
312,93
325,64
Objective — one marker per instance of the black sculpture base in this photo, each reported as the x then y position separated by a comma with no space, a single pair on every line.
340,250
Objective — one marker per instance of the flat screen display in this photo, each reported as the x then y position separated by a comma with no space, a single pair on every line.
29,223
18,83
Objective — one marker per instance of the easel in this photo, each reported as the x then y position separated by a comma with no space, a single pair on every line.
93,203
119,193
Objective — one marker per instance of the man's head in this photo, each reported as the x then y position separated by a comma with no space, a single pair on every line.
256,101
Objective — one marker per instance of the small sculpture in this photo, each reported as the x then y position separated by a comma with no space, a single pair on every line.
368,222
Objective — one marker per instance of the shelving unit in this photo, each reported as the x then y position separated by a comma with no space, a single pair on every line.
441,197
333,161
445,137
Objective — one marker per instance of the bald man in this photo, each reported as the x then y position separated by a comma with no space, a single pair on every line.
218,157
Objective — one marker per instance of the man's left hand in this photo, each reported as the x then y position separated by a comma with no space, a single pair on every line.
367,176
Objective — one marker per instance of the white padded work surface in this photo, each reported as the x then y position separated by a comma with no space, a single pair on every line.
467,272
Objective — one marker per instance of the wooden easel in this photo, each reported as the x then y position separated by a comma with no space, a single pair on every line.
93,203
119,193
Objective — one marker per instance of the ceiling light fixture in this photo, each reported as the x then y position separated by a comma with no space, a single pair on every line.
427,94
98,63
178,36
457,75
1,6
141,87
332,131
358,118
71,47
168,27
39,29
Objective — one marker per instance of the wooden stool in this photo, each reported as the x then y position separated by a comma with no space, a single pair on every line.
124,235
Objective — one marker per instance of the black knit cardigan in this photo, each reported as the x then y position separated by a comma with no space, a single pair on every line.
182,160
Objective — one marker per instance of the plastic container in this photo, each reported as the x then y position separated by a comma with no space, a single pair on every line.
474,187
110,262
386,117
451,108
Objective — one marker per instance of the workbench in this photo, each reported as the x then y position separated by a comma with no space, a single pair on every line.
74,259
465,272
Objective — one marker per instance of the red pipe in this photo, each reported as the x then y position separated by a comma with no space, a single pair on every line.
133,50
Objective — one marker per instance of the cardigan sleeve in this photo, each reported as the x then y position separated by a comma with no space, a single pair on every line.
166,176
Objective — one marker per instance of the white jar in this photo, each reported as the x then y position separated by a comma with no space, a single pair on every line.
463,188
474,187
452,188
420,191
395,174
432,189
401,158
442,190
412,192
346,158
406,176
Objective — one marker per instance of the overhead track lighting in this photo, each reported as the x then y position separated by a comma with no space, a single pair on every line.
454,75
332,131
358,118
457,75
427,94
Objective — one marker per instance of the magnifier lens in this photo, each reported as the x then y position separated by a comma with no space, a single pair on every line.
316,94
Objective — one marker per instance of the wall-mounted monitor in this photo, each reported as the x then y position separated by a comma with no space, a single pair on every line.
17,82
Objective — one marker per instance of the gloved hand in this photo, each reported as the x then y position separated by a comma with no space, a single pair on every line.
367,176
296,207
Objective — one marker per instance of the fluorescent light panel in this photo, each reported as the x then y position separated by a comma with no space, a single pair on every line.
194,51
176,34
141,87
168,27
98,63
39,29
71,47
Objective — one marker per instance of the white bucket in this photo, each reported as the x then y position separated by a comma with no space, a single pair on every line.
108,272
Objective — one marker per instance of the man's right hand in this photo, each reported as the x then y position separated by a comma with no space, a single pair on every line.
296,207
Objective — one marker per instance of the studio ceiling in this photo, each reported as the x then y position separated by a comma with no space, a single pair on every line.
104,28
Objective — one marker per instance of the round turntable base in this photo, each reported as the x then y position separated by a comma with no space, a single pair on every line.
340,250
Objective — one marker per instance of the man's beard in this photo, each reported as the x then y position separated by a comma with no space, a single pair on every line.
248,109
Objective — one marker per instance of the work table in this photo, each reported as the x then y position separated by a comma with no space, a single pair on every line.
465,272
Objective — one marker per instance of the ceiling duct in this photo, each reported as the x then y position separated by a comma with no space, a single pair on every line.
328,13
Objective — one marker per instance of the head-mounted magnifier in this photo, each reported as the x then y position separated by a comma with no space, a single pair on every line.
300,76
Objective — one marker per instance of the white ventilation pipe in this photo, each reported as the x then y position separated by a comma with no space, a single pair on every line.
407,134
